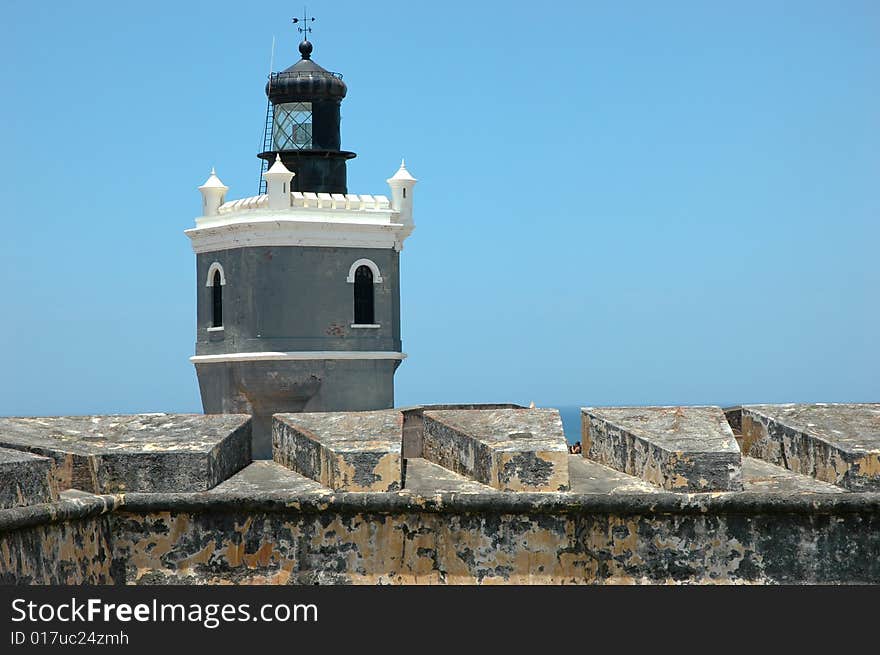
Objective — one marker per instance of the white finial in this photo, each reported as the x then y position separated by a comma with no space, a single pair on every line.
402,174
213,182
278,169
402,184
278,184
213,194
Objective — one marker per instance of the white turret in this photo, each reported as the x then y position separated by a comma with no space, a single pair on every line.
278,185
402,184
213,194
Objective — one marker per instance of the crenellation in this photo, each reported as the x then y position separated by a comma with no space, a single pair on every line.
321,203
244,204
344,451
677,448
835,443
508,449
142,452
302,520
25,479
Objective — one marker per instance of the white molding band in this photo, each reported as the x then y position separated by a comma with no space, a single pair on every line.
277,229
302,355
369,263
365,325
215,267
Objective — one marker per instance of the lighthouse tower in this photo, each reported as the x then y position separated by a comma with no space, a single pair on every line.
298,288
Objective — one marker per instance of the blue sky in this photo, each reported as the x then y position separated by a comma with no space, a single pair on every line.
619,203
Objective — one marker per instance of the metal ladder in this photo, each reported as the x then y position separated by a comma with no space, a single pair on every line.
267,144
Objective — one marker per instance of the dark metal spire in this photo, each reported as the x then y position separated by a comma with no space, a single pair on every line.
305,21
305,29
305,48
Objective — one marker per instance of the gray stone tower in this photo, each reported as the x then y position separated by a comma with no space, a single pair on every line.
298,288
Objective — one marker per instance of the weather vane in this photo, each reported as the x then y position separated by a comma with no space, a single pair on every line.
305,29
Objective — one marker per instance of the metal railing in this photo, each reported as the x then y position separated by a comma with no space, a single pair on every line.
303,74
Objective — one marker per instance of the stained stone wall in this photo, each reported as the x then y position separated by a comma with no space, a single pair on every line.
677,448
837,443
344,451
270,524
142,452
508,449
25,479
67,542
537,538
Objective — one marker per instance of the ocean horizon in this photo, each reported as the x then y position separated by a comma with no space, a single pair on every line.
571,422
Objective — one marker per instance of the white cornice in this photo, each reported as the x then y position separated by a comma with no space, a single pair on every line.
303,215
329,229
296,356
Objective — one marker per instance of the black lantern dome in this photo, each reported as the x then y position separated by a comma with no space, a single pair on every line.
302,125
305,80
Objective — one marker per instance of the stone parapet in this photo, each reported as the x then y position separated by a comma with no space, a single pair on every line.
836,443
414,422
344,451
268,523
491,538
25,479
141,453
508,449
676,448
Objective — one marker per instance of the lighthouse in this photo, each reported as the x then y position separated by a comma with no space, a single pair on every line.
298,287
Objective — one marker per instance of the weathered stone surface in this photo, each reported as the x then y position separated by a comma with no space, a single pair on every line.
734,418
556,538
265,476
836,443
250,535
345,451
25,479
142,452
676,448
414,423
268,524
65,542
588,477
508,449
427,479
758,476
768,478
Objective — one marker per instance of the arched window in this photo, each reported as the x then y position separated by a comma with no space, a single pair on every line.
363,296
217,300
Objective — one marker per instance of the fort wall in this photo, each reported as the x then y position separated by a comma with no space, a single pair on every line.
369,538
267,523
